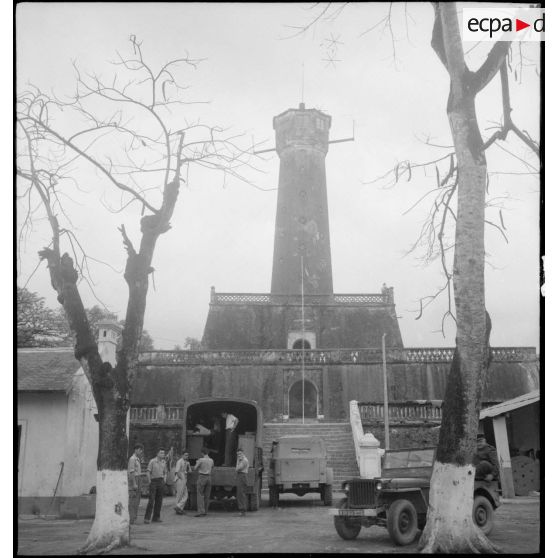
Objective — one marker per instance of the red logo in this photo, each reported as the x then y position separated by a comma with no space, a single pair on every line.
519,25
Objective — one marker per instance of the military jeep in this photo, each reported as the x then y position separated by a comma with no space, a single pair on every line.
298,466
398,499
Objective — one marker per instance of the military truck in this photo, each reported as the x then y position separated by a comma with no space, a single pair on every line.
298,466
398,499
205,427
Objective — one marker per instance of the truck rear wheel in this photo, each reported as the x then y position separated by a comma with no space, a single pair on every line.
346,528
254,499
483,514
402,522
327,495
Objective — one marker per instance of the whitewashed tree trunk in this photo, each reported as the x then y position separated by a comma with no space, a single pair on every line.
449,527
111,527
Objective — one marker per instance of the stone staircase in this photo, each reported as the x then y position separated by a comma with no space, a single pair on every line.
338,439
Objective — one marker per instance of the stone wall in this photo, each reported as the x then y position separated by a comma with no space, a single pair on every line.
337,384
401,437
266,326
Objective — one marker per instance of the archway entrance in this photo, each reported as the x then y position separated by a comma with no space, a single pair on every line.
298,344
310,400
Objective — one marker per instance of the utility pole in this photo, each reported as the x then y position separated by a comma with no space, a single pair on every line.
386,407
303,339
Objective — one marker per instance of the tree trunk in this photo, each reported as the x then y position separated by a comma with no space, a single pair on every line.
450,527
111,527
110,390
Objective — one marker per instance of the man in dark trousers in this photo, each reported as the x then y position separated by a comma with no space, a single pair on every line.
134,482
156,475
231,422
203,466
485,460
241,478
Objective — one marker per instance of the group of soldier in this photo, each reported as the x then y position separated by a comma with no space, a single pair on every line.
158,471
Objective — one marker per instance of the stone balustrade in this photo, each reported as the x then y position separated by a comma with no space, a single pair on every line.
156,414
402,412
227,299
325,356
405,412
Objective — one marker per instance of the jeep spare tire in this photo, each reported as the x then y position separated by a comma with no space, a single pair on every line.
483,514
402,522
346,527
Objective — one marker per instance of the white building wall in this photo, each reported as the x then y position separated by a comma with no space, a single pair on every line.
42,417
82,439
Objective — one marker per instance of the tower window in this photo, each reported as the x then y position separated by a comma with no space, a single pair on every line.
298,344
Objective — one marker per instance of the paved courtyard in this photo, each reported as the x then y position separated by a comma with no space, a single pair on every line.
298,525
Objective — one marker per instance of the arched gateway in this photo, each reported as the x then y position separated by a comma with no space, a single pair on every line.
310,400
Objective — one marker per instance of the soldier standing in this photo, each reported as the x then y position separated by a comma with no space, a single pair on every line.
231,422
242,466
156,474
181,477
203,465
134,479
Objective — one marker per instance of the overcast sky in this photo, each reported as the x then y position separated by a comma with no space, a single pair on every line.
222,235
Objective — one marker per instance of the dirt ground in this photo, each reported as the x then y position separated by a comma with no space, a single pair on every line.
298,525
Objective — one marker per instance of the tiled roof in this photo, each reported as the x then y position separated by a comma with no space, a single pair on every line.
45,369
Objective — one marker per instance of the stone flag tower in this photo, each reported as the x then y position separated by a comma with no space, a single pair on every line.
301,224
281,319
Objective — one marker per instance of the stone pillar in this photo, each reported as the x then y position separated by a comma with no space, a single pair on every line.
367,447
503,451
370,457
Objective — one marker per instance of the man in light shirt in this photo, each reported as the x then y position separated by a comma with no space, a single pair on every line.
134,480
231,422
156,474
181,476
203,466
242,466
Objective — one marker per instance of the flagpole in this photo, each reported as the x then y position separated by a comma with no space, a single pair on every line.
303,339
386,405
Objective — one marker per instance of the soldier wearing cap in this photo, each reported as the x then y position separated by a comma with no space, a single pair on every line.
485,460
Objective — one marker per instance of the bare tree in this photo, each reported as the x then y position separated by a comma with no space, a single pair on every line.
133,131
450,527
451,493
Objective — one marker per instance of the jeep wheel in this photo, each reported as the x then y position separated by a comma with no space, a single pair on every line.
327,495
402,522
346,528
483,514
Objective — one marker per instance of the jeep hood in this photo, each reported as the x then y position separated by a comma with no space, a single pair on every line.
405,482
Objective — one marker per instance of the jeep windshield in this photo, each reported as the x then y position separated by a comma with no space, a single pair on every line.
407,458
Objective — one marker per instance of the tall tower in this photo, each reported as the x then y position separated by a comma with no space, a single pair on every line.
301,224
